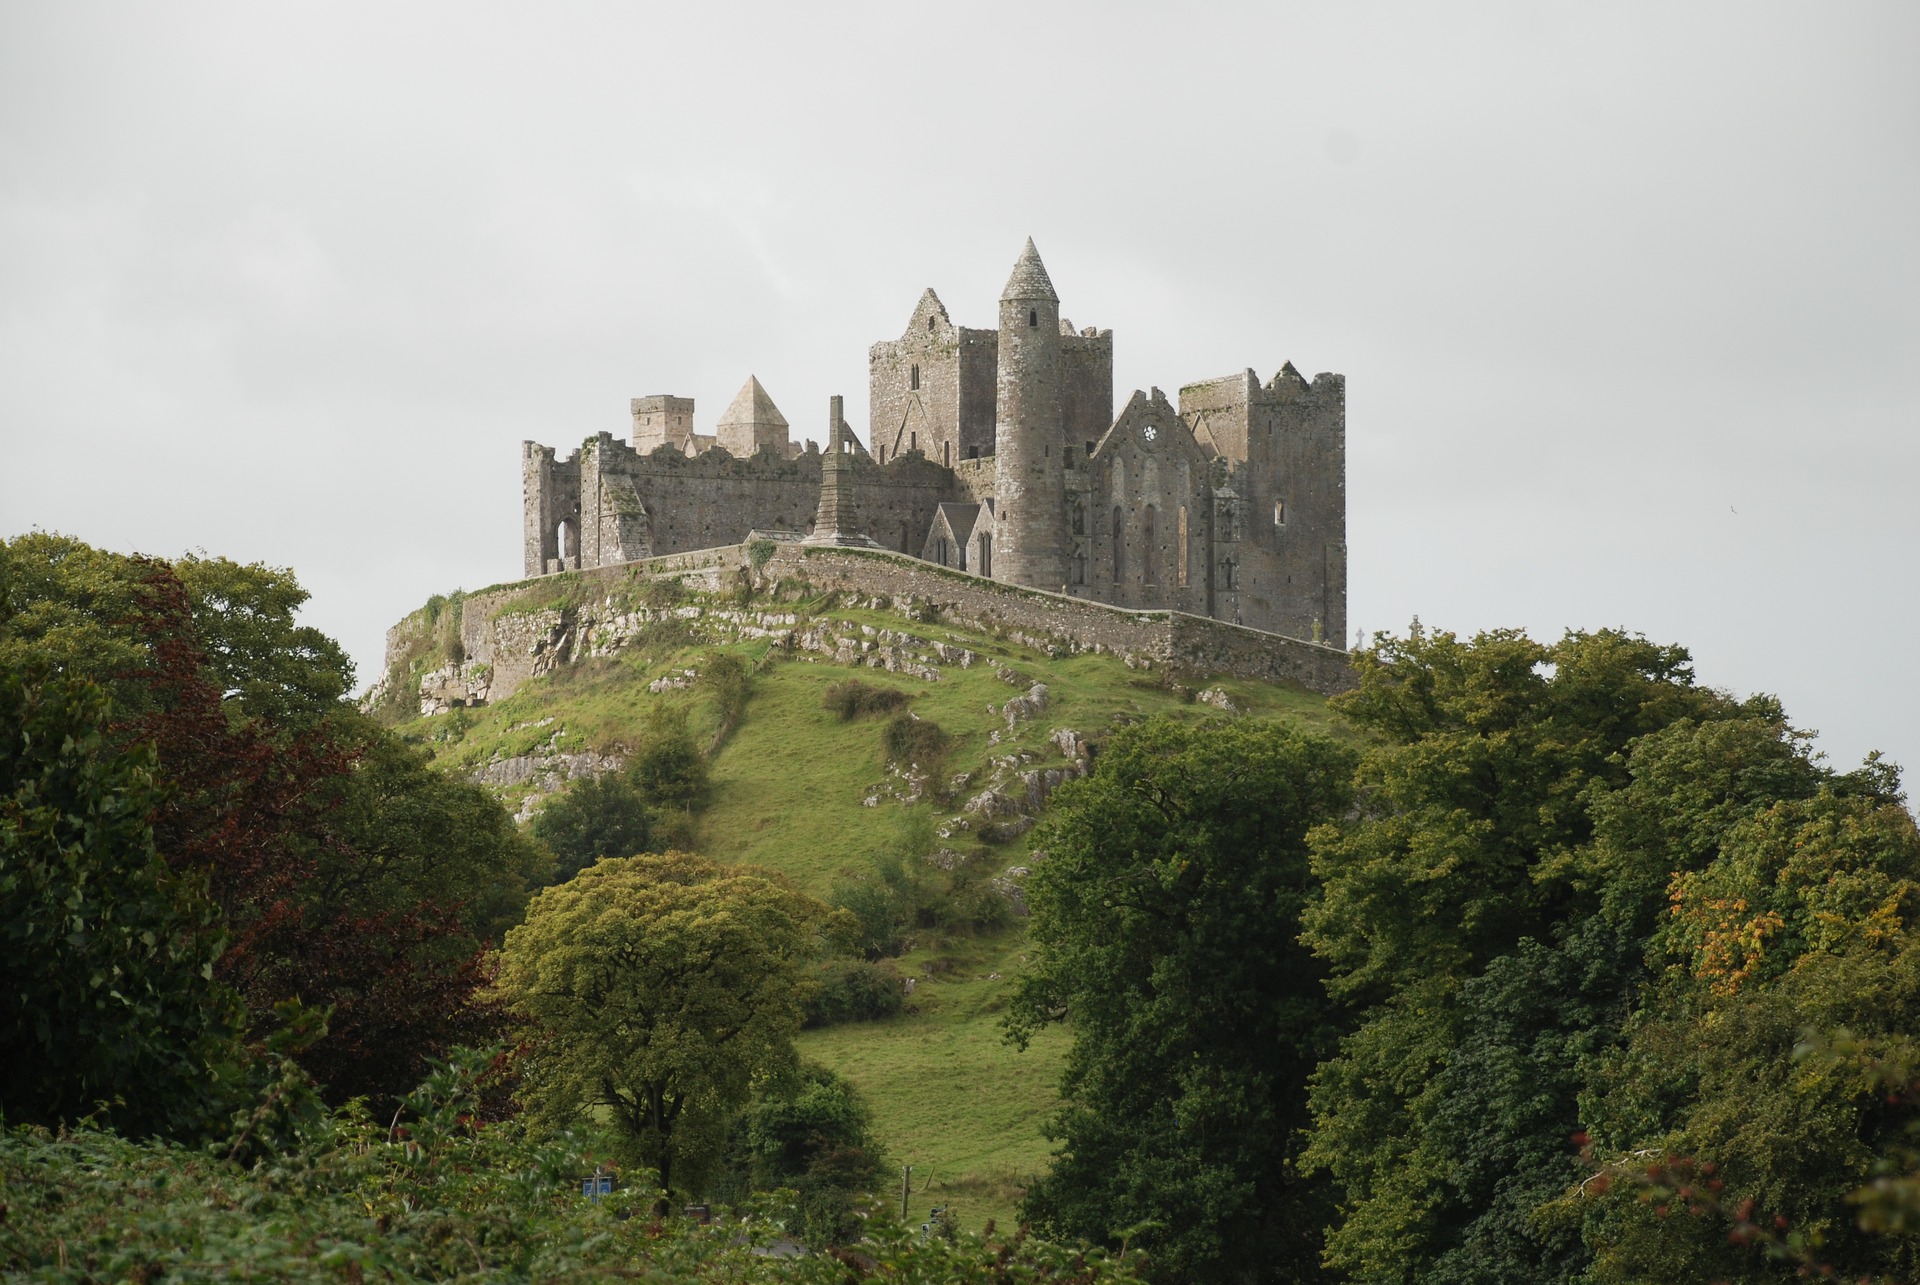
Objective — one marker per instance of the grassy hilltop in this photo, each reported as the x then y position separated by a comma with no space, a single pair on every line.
798,789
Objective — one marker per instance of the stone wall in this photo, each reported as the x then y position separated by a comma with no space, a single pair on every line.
516,632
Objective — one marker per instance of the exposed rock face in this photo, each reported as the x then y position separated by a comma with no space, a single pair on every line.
1021,708
1217,698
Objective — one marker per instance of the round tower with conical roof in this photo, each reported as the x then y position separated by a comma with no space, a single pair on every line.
1029,440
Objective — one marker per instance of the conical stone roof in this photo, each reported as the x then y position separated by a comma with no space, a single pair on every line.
1029,279
751,405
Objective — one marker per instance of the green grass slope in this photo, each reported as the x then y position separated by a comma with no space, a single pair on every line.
797,789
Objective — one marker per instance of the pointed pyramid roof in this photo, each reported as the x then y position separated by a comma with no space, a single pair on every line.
1029,279
751,405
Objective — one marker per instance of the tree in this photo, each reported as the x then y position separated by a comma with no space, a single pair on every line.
1487,948
77,610
1791,971
603,816
107,995
1166,919
345,872
659,989
809,1133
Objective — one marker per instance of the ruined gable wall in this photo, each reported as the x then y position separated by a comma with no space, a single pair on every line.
1130,474
898,413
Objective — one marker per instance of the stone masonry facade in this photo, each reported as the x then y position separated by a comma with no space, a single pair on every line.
995,452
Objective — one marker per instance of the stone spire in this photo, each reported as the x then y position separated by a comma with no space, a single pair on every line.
1029,279
752,423
836,522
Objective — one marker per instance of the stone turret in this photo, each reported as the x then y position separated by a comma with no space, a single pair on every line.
1030,524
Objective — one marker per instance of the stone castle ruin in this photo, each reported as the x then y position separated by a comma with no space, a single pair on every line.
995,452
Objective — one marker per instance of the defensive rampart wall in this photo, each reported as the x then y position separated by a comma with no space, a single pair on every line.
521,630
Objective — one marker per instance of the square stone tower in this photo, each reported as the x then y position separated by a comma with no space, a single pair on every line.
662,420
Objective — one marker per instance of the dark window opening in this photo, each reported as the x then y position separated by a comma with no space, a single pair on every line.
905,537
973,452
929,323
914,379
940,551
1033,318
946,454
986,556
913,441
883,455
1119,546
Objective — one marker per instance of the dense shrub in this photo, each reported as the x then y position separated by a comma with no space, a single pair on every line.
916,741
853,990
438,1198
851,699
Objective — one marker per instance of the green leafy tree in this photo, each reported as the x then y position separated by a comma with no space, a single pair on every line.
810,1133
107,996
1454,916
1166,924
344,871
1802,922
77,609
660,988
604,816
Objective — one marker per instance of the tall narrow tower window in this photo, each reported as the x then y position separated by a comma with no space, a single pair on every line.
1119,547
914,381
1033,319
929,323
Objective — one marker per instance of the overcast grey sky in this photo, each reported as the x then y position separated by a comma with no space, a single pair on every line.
1627,295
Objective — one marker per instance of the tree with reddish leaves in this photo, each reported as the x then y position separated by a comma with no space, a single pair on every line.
347,873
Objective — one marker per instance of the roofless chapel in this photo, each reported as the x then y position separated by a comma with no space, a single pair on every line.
995,452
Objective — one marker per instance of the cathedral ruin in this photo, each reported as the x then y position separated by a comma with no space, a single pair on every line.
995,452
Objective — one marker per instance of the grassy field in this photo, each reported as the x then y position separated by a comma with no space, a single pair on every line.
791,785
950,1097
